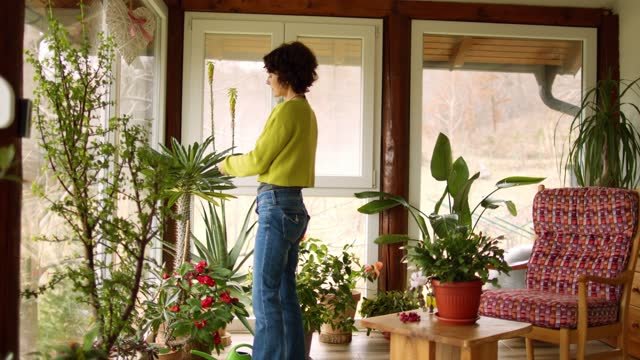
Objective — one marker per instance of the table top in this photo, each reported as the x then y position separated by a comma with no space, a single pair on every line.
486,329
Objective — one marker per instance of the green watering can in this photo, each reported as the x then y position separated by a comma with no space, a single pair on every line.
234,354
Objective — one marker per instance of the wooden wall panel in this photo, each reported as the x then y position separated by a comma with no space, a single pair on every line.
395,142
11,26
497,13
343,8
608,48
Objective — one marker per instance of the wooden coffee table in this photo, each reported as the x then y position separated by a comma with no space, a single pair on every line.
431,339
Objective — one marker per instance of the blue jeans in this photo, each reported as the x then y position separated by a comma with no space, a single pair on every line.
282,221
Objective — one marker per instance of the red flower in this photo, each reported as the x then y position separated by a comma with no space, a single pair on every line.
205,279
206,302
200,323
174,308
226,298
216,338
165,276
201,266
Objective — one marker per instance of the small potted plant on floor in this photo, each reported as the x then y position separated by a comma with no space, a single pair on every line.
309,281
452,254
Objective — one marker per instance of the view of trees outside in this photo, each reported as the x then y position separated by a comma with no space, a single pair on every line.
499,124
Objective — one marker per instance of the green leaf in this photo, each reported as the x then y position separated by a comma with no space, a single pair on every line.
458,177
370,194
517,181
512,207
376,206
441,159
461,202
391,239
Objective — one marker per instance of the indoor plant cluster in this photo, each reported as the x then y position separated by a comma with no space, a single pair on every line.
192,306
451,254
326,284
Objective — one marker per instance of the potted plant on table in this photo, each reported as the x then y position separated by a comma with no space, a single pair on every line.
388,302
451,254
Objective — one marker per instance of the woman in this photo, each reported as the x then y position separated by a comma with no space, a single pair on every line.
284,160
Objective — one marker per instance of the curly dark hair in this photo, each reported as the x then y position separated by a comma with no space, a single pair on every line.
295,64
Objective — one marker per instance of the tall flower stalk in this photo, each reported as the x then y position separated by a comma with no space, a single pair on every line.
233,99
210,70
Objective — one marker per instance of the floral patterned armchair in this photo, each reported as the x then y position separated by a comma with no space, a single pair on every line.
579,276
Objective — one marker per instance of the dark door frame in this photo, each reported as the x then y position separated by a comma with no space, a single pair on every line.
12,30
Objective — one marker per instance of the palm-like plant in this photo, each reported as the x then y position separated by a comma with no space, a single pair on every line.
193,172
605,146
215,249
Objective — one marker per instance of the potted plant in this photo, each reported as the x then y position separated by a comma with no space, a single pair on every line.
193,171
388,302
214,249
605,145
191,306
309,282
325,285
96,175
451,253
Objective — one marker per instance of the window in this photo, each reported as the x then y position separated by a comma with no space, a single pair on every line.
346,96
505,96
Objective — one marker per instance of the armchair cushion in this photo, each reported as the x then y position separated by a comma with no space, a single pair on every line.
545,309
581,231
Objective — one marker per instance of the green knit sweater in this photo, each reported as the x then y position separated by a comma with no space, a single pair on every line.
285,152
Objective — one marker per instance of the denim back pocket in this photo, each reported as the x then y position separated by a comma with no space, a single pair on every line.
294,224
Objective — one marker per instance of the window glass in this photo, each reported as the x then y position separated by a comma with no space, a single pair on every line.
487,100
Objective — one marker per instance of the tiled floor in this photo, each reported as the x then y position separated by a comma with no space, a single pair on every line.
376,347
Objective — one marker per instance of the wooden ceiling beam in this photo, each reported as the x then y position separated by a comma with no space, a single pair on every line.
338,8
457,58
573,60
502,14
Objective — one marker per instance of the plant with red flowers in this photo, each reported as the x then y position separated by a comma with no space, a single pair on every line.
193,304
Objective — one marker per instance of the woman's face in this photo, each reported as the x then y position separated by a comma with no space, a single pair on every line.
277,88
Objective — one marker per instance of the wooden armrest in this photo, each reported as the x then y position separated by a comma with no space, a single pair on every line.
621,279
520,265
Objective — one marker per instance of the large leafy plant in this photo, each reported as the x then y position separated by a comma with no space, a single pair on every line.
605,145
450,250
97,175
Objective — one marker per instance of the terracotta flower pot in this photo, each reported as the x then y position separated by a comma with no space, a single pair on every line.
458,302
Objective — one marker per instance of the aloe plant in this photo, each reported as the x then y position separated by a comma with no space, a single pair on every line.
605,146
